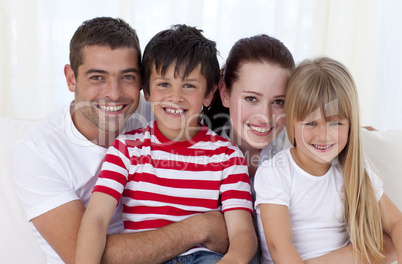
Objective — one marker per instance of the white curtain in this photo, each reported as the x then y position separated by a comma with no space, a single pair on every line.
363,34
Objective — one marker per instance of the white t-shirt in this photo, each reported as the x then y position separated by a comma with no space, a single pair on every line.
54,164
315,204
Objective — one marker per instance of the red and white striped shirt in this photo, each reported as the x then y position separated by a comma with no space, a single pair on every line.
162,181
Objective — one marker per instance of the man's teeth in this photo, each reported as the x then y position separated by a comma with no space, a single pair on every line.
110,108
322,147
174,111
259,129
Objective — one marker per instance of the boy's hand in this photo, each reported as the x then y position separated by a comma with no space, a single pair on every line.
213,225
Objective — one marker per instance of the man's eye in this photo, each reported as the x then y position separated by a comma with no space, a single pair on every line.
96,78
129,77
250,99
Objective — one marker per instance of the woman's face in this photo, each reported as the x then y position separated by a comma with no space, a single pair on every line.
256,104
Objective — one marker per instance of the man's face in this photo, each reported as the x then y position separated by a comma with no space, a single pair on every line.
107,89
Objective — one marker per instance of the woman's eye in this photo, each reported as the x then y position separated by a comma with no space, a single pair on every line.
279,102
250,99
335,123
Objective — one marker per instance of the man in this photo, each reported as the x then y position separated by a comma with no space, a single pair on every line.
63,154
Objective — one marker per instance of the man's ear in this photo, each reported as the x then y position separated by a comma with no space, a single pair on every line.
70,78
209,97
225,95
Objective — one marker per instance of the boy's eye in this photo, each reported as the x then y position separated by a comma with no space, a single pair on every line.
250,99
189,86
279,102
164,84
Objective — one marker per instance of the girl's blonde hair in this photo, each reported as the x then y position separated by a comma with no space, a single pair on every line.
326,84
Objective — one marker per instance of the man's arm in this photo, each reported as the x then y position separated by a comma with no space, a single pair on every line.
60,228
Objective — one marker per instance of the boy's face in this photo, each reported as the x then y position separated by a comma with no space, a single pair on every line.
177,102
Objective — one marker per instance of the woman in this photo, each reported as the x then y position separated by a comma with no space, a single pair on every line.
250,103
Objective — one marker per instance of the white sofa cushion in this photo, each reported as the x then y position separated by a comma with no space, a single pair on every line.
18,244
384,149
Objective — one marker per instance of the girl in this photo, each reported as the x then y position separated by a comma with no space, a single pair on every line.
320,195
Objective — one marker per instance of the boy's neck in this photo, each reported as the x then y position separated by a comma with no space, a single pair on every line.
181,135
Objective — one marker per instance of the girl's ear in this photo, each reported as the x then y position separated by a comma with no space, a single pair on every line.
225,95
208,99
70,78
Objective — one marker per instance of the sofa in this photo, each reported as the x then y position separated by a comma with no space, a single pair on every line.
18,244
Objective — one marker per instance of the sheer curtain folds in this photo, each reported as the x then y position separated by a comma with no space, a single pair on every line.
363,34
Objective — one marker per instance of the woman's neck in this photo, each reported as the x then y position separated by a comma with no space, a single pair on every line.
251,154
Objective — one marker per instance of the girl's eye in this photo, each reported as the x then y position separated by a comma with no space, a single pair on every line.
250,99
279,102
310,124
335,123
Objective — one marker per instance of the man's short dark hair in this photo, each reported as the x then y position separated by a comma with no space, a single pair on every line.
102,31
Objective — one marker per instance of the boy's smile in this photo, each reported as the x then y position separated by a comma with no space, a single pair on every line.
177,102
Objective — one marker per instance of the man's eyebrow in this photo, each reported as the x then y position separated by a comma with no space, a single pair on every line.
135,70
90,71
95,71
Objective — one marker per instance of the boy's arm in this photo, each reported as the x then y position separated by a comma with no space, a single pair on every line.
278,233
91,240
242,237
59,227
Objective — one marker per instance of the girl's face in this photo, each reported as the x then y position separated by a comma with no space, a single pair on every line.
256,104
319,141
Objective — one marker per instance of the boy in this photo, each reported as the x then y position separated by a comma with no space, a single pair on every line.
175,167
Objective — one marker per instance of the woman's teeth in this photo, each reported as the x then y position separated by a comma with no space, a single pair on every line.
111,108
259,129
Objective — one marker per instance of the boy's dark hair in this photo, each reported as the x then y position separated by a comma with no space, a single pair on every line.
185,47
102,31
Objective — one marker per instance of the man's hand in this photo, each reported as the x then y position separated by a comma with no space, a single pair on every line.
214,226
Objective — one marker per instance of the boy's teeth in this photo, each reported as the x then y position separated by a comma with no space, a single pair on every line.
110,108
259,129
322,147
174,111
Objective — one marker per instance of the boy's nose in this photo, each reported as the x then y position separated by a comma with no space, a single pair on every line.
176,95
